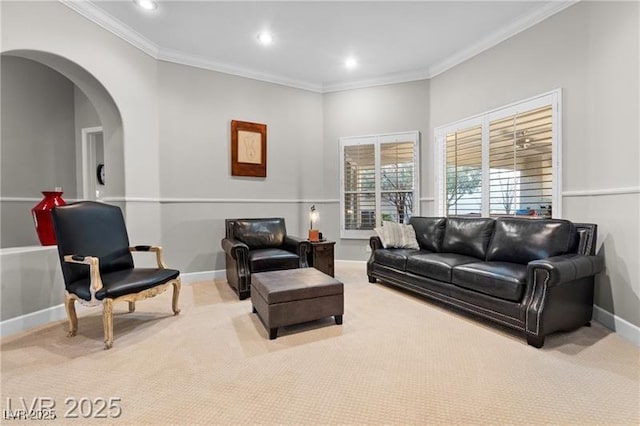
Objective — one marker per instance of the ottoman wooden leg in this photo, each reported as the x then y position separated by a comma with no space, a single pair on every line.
253,310
273,333
338,319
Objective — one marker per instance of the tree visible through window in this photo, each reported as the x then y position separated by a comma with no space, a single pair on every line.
379,181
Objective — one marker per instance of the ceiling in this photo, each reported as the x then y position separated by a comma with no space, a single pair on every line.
392,41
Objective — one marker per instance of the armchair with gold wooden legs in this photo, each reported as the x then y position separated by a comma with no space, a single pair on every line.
97,263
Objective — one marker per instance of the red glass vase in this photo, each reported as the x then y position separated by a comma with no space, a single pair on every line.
42,216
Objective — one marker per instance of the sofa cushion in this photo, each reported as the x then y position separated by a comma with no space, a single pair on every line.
429,231
468,236
437,266
260,233
262,260
397,235
521,240
394,258
503,280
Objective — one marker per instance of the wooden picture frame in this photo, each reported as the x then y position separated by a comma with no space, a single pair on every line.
248,149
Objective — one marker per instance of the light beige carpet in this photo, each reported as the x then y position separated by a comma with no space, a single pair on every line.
396,360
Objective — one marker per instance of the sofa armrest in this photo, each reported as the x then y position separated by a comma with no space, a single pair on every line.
236,249
298,246
567,268
375,243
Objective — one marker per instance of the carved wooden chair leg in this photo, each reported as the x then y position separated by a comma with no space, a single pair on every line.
69,304
176,296
132,306
107,322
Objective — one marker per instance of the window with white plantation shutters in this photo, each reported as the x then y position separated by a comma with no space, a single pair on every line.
521,164
505,162
397,177
379,181
359,187
463,172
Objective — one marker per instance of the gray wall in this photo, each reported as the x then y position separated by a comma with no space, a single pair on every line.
30,281
382,109
590,50
195,111
38,143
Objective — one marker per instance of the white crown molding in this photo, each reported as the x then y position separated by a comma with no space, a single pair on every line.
93,13
180,58
523,23
517,26
395,78
98,16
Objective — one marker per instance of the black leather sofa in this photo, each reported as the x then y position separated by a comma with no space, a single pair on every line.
532,275
259,245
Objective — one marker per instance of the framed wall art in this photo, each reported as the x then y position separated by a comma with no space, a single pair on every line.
248,149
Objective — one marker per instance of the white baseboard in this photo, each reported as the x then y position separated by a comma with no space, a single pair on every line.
195,277
57,313
31,320
613,322
351,262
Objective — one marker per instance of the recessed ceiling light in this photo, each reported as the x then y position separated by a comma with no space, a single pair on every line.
350,63
146,4
265,38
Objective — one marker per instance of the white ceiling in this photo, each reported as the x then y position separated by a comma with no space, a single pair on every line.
393,41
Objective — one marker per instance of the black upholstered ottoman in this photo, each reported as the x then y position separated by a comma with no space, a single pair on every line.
293,296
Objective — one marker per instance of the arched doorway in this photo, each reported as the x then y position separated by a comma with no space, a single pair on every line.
37,154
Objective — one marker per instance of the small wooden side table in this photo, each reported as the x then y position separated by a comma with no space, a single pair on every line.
321,256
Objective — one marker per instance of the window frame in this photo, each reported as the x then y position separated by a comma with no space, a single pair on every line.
377,140
552,98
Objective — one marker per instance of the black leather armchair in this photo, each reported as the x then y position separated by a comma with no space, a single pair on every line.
259,245
97,264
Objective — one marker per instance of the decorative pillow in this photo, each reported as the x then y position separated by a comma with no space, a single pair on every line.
397,235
